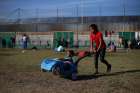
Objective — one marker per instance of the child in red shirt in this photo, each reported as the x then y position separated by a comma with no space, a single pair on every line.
99,49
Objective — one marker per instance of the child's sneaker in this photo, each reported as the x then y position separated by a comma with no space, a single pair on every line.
74,76
108,68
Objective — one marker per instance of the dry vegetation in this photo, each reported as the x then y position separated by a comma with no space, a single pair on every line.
20,73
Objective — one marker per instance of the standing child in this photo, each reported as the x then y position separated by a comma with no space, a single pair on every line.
24,42
100,48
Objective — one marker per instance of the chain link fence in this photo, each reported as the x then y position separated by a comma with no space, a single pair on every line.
76,18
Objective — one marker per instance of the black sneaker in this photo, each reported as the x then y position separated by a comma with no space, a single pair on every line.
108,68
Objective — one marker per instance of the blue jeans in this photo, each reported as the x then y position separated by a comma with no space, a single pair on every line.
24,45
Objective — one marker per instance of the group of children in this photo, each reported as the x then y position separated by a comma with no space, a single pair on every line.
97,46
70,64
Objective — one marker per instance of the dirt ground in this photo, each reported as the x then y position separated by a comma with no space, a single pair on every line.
20,73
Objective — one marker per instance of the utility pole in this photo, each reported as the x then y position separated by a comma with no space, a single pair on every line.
100,13
123,17
36,20
77,26
57,11
82,14
19,19
19,15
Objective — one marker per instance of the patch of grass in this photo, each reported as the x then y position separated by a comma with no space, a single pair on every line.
20,73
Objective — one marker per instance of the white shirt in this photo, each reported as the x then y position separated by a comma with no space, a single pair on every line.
24,38
60,48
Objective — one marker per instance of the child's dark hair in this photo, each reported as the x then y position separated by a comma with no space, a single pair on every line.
71,52
94,26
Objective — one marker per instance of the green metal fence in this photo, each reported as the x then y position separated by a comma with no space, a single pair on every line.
127,35
67,38
7,40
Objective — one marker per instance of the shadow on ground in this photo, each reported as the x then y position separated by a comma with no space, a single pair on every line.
87,77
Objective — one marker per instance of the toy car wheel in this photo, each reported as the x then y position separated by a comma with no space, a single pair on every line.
43,70
56,70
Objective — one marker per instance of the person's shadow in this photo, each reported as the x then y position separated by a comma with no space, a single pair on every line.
88,77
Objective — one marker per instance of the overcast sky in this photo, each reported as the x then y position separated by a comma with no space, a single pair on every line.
42,8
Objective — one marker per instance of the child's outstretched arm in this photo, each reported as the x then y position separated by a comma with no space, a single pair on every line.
82,55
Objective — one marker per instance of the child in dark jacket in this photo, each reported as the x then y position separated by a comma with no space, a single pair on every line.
68,66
